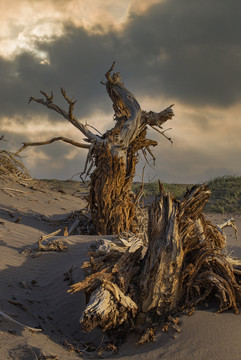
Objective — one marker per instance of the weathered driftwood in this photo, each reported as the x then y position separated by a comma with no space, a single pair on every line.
113,154
54,245
129,285
108,307
229,223
18,323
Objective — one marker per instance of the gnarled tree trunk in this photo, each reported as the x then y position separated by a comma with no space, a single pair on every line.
114,154
112,201
111,198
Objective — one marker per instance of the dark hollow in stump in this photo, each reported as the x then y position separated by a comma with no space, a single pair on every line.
130,285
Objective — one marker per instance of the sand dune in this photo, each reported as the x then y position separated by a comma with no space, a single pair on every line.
33,290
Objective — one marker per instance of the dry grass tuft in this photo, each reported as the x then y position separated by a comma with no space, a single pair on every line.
13,169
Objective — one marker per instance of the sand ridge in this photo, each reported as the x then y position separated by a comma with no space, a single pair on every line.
33,290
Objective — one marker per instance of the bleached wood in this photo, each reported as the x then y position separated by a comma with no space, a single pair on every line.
73,226
229,223
107,307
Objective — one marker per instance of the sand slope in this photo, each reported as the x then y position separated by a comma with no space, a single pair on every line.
33,290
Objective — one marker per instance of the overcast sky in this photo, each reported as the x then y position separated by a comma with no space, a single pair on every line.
186,52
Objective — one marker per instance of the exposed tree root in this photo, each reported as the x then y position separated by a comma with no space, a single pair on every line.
129,285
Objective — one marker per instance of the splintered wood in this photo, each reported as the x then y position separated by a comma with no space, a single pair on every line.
129,285
163,263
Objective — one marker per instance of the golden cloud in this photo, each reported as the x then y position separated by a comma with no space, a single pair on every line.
23,22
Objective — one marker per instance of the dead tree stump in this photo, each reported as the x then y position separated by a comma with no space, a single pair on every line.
113,155
183,265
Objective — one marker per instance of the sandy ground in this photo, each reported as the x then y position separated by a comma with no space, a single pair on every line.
33,291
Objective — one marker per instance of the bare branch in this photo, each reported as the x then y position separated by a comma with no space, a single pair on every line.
162,133
144,154
49,98
92,127
126,107
140,192
68,116
71,103
72,142
89,160
108,74
152,155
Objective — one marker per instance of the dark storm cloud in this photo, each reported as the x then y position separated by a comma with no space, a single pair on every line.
19,79
78,62
189,50
183,50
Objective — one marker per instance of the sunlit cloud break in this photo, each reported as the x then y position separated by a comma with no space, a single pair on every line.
25,22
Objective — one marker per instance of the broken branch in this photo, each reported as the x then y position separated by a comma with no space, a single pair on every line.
18,323
68,116
69,141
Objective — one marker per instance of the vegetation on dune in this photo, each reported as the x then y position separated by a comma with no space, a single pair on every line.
225,198
226,195
151,189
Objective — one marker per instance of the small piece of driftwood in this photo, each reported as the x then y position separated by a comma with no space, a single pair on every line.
17,190
73,226
54,245
18,323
